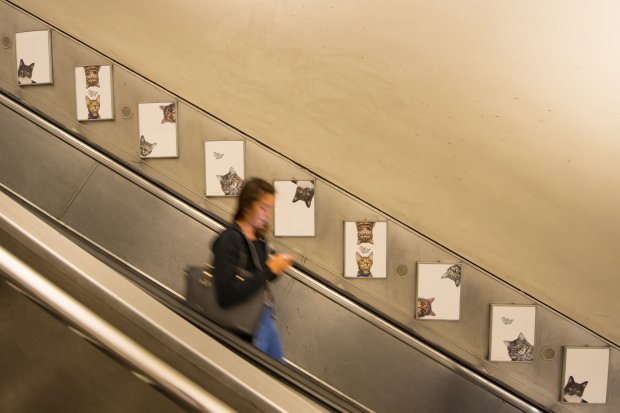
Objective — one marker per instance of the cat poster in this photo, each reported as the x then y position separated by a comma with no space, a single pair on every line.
34,57
93,92
294,208
438,294
224,167
512,332
158,130
584,379
365,249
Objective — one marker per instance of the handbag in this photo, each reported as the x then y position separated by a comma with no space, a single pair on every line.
201,295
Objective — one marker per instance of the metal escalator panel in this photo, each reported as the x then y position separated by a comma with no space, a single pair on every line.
156,235
156,343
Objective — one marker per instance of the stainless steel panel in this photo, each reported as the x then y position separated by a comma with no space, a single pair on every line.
139,228
39,166
367,364
47,368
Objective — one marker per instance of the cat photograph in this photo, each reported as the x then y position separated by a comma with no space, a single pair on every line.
573,391
364,264
33,52
170,114
224,166
304,192
146,147
93,88
453,273
157,121
437,280
586,373
24,73
425,307
294,208
513,328
365,249
231,182
364,232
91,76
93,105
520,349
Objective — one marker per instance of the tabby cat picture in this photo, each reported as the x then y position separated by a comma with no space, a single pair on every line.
520,349
231,183
573,391
170,114
24,73
93,106
425,307
454,273
146,147
364,264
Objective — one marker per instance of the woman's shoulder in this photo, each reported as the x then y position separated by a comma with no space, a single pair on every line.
229,235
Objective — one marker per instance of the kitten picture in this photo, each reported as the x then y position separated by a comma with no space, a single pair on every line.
170,115
231,182
519,349
304,192
363,264
146,147
454,273
507,320
573,391
93,107
24,73
218,155
425,307
364,232
92,76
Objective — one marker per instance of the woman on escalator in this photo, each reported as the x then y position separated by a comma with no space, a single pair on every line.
245,238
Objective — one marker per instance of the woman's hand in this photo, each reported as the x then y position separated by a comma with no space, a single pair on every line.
279,262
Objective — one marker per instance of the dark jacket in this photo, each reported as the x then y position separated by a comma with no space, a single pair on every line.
231,250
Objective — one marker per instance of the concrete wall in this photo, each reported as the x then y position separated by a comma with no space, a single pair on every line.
489,126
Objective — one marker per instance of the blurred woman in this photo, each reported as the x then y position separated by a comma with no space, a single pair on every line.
246,235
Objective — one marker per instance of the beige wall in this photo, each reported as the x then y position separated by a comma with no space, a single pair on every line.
491,127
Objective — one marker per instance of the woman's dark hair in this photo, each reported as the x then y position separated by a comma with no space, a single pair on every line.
253,189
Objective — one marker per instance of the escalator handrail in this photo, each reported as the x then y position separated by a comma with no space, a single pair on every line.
142,362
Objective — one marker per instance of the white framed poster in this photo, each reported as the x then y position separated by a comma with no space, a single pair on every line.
224,167
294,208
585,374
33,51
512,332
93,92
365,249
158,130
438,295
